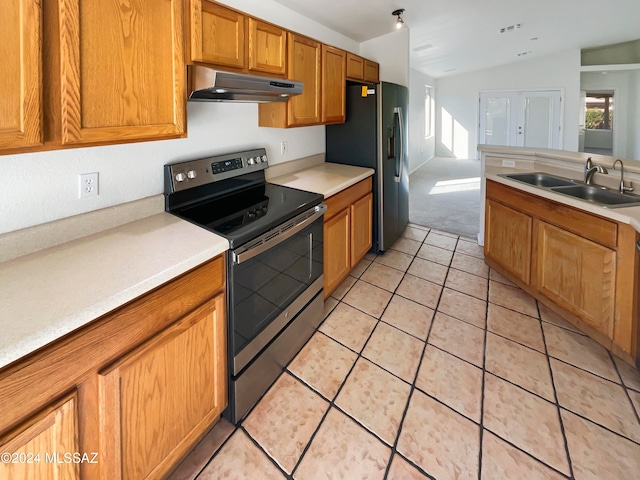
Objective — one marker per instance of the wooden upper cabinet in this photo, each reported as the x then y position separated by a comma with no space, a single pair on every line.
50,435
217,35
304,56
267,48
333,85
371,71
122,71
21,76
355,67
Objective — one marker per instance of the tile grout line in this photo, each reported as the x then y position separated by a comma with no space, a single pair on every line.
555,394
413,384
625,388
484,375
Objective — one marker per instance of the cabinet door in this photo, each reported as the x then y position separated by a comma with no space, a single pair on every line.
355,67
337,263
333,85
21,76
164,395
38,449
304,56
267,48
122,67
217,35
508,236
577,274
361,228
371,71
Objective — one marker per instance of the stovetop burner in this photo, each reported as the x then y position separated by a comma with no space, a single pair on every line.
229,196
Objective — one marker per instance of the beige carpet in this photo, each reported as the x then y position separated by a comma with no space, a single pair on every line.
445,194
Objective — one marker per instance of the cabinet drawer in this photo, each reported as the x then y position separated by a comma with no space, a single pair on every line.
587,225
341,200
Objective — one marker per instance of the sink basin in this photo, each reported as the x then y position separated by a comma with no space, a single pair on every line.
539,179
599,195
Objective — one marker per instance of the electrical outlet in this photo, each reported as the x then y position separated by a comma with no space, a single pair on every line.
284,148
88,184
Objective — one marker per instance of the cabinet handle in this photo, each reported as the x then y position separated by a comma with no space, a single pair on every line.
638,245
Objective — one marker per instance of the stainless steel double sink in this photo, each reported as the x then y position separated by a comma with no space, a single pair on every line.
594,194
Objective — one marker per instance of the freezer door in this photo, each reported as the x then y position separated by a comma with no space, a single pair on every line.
392,164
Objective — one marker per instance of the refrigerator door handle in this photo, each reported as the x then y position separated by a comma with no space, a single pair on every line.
398,112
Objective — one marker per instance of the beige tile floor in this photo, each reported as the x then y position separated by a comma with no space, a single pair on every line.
429,365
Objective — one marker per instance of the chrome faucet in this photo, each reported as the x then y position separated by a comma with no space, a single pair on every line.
590,169
622,187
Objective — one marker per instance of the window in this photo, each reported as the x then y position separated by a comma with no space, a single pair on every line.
599,111
428,109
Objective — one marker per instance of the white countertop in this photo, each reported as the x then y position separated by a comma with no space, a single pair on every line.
324,178
563,163
47,294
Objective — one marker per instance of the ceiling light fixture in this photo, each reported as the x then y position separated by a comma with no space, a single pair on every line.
399,20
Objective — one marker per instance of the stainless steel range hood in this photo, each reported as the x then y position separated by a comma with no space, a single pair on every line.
210,85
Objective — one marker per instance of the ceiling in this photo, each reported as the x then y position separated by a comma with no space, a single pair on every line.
464,34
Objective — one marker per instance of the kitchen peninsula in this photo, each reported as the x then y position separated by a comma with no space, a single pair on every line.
577,257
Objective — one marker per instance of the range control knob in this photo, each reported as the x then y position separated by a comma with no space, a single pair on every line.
251,161
180,177
264,158
192,174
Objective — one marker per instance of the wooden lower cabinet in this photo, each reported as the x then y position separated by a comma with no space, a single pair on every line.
347,232
578,275
361,228
139,386
160,398
40,448
508,239
337,258
582,266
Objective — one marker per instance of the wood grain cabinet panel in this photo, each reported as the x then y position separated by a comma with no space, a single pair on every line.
355,67
267,48
165,394
578,275
333,85
361,228
217,34
122,69
21,112
508,234
371,71
337,262
304,57
38,447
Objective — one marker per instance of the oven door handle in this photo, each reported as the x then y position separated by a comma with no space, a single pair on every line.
256,248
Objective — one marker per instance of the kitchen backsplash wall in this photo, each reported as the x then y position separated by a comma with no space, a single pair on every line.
41,187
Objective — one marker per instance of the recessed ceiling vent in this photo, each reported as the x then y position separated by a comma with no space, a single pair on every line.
522,54
423,47
511,28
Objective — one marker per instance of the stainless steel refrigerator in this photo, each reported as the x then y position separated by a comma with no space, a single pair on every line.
375,136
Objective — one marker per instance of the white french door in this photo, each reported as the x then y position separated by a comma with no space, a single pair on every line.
521,119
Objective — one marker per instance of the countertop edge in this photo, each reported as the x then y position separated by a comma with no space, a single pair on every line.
147,236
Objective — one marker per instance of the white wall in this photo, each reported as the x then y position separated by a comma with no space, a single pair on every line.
457,99
391,51
41,187
282,16
421,148
626,87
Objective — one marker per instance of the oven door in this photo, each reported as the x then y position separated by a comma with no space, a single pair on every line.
270,280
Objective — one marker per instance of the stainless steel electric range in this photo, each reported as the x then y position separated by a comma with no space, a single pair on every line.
274,264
